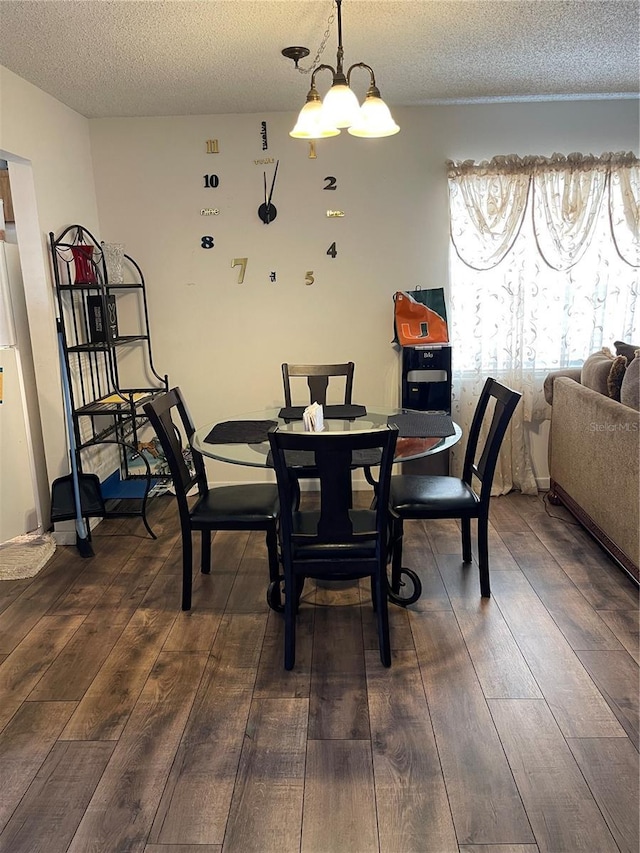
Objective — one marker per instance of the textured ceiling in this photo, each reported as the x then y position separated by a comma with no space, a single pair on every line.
154,57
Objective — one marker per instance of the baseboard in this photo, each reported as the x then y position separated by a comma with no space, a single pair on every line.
597,533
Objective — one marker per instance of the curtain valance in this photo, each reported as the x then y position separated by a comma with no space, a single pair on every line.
489,200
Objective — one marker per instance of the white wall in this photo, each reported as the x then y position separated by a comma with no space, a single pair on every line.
47,147
223,342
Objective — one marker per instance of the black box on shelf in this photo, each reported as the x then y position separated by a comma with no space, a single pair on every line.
103,320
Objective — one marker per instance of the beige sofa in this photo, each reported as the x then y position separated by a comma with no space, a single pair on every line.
594,448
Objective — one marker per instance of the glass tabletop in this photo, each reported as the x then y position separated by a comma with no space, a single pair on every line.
245,443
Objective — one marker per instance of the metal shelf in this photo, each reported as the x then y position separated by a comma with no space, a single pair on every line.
90,346
87,308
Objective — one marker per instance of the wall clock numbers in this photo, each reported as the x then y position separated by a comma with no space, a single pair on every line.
332,183
332,251
211,182
207,242
272,275
242,263
263,135
212,146
312,150
309,279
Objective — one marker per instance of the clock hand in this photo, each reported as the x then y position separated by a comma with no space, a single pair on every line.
273,183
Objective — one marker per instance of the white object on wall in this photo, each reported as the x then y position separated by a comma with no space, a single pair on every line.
19,505
7,326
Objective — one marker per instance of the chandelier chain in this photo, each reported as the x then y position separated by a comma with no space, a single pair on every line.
323,43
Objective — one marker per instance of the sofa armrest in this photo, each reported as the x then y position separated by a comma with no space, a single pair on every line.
569,372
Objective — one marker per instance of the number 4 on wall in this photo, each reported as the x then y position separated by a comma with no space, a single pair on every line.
332,251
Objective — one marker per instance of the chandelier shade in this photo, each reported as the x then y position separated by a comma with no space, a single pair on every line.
309,124
374,120
341,108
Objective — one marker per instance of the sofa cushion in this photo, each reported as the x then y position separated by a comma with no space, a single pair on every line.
630,388
616,375
626,349
595,371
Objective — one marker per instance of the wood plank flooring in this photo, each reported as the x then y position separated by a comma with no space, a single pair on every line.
508,725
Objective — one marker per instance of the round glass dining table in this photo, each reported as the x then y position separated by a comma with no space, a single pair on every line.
239,449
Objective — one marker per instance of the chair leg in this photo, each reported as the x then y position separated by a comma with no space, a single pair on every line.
187,570
205,552
372,482
272,552
397,534
290,609
374,594
274,590
382,612
483,556
466,540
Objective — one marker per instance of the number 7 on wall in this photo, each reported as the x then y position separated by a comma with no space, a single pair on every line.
242,263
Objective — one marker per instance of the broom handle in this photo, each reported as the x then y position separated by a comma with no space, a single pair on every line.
81,528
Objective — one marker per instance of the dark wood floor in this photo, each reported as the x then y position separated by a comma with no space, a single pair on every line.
507,725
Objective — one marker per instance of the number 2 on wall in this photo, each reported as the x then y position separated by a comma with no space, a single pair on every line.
331,183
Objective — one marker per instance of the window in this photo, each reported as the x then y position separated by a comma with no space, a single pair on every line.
544,270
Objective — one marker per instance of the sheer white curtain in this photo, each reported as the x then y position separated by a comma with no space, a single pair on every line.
544,271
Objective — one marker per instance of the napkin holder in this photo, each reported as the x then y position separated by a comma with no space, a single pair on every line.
313,418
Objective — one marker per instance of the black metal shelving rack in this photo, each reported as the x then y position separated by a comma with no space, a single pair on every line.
103,410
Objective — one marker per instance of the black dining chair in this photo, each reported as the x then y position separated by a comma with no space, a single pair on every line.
416,496
241,507
317,378
336,541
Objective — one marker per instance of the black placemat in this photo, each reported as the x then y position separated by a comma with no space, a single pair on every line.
240,432
422,425
340,412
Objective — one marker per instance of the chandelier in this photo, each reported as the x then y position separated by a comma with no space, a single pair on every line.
319,119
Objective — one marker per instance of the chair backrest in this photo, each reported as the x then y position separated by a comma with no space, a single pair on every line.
483,466
170,418
336,460
317,376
